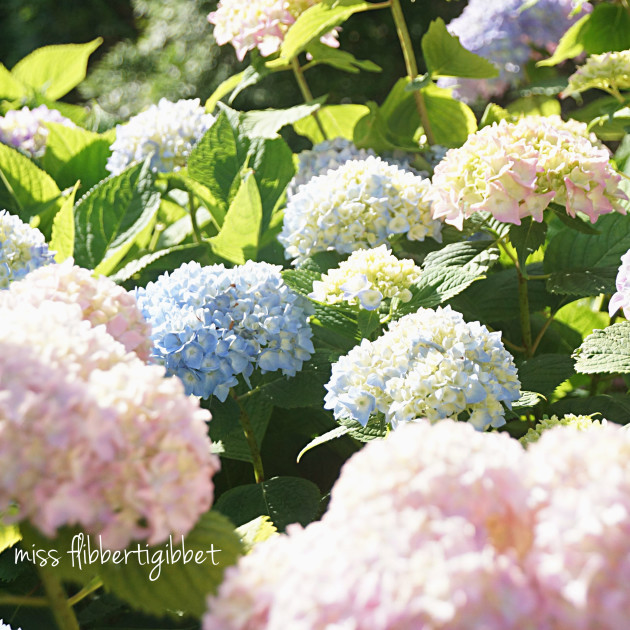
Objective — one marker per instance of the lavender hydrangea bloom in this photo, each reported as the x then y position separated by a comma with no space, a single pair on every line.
167,132
24,128
503,31
22,249
621,299
212,324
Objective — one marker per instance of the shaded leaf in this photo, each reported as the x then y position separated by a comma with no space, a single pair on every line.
605,351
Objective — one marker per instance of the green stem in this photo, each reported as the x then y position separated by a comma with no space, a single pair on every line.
22,600
93,585
58,601
306,93
193,218
412,67
526,326
248,430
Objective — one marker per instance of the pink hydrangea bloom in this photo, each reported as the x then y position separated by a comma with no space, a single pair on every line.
101,300
91,436
442,527
621,299
514,170
259,24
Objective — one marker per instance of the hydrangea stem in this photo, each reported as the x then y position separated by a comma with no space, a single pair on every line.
523,303
248,430
306,93
412,67
193,217
58,601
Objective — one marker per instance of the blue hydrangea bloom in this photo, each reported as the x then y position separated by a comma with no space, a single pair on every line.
212,324
22,249
504,31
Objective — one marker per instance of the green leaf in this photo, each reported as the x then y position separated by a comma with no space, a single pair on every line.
301,280
527,238
55,70
74,154
285,500
613,126
436,285
375,429
24,188
257,530
163,260
451,121
335,433
575,223
607,28
573,257
62,240
582,316
527,401
340,59
9,534
613,408
224,88
493,114
10,87
217,159
338,121
368,322
317,21
545,372
226,430
446,57
477,257
266,123
336,319
583,283
605,351
535,105
109,217
206,552
239,237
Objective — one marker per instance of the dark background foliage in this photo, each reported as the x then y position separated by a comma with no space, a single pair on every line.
165,48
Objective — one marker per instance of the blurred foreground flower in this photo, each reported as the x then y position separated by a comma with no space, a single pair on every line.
212,324
430,364
366,278
167,132
90,436
359,205
22,249
609,72
504,32
515,170
581,423
25,129
259,24
101,300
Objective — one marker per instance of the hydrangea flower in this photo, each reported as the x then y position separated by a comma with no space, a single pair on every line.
91,436
25,128
259,24
609,72
330,154
504,31
359,205
366,278
5,626
430,364
621,299
212,324
167,132
514,170
440,527
424,530
101,300
22,249
579,422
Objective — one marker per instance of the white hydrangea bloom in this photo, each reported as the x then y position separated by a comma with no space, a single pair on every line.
430,364
359,205
609,72
167,132
368,276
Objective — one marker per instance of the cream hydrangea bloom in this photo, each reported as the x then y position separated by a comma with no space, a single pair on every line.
579,422
366,278
515,170
359,205
609,72
430,364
